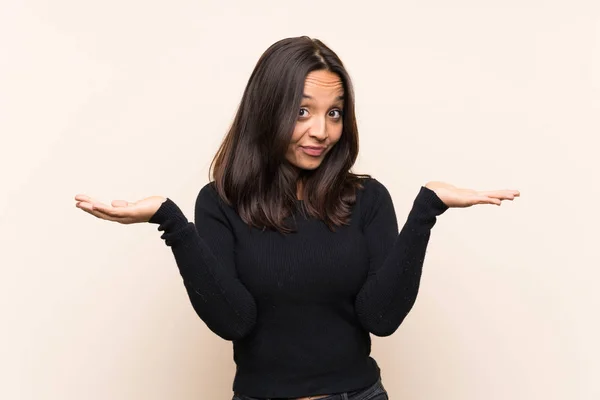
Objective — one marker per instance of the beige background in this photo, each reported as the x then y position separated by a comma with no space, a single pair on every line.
127,99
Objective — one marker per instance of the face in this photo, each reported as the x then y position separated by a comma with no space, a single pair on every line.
320,121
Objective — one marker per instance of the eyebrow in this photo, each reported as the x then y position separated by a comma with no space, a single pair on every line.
310,97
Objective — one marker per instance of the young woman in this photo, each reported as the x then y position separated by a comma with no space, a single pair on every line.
291,256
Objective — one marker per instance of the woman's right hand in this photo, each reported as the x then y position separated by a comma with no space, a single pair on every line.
121,211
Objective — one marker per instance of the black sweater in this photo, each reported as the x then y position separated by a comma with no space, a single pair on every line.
299,307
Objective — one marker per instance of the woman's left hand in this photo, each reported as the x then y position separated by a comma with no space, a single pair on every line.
456,197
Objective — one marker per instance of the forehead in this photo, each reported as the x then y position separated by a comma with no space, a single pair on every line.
322,83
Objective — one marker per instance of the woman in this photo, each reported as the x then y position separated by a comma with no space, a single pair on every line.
291,256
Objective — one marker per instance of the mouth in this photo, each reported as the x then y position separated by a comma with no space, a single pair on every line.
314,151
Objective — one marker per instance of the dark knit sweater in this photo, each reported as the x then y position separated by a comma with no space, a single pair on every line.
299,308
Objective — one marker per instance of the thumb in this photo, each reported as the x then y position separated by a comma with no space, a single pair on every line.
120,203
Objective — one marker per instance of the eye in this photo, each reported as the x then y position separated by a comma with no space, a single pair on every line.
332,114
301,114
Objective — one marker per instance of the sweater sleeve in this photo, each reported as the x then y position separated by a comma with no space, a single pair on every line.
204,253
396,260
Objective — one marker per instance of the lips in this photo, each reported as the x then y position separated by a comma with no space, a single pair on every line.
313,150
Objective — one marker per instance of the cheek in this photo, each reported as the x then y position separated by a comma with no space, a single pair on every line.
298,132
293,145
295,139
336,132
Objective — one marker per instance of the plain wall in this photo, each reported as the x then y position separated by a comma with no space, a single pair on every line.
127,99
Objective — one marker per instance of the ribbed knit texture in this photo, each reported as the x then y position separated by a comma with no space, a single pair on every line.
299,308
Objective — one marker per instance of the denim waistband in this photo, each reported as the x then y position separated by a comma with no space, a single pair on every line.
374,391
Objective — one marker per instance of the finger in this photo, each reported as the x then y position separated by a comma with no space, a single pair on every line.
83,197
84,205
500,194
118,212
489,200
90,200
96,213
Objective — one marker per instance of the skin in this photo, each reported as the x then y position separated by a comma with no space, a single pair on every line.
320,120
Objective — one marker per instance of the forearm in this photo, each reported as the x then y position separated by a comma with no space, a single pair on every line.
388,295
390,292
218,297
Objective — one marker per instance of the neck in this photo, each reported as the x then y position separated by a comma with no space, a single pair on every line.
299,188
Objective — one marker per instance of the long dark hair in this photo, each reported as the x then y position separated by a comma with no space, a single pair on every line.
250,170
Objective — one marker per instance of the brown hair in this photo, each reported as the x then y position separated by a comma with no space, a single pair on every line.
250,170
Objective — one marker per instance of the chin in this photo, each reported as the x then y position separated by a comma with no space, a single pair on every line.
310,167
307,166
304,164
311,164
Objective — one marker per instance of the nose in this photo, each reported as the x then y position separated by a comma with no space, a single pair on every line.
318,129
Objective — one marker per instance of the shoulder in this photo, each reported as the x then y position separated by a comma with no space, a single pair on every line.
374,199
375,205
208,195
208,199
373,192
208,192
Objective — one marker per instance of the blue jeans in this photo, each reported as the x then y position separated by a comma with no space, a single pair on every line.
374,392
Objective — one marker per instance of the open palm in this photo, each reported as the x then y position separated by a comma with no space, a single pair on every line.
121,211
457,197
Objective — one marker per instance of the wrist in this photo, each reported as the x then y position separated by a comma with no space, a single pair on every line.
168,212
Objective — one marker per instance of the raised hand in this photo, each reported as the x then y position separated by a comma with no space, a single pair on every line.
121,211
456,197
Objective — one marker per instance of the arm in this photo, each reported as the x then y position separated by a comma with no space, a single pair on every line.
204,253
396,260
